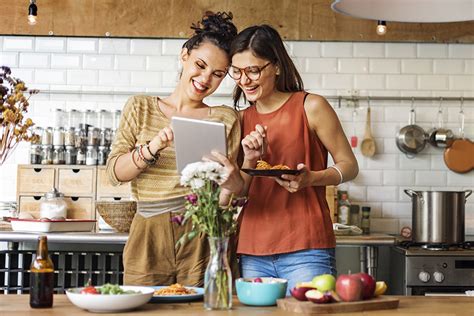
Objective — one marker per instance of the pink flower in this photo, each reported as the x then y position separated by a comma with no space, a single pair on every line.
178,219
192,198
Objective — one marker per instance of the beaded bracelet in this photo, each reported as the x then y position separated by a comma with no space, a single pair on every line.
149,162
156,155
135,163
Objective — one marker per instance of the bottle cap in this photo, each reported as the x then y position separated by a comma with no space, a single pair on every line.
365,209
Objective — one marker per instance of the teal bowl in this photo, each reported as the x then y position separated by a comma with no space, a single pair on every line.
265,293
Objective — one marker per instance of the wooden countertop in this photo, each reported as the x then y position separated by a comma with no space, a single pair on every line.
409,305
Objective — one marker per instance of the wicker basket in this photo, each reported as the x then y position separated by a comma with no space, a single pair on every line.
118,214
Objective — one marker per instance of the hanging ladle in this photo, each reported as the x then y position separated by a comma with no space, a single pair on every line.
367,146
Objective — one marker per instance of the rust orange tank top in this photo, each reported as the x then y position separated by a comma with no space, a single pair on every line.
274,220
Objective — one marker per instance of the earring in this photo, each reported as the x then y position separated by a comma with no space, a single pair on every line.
277,72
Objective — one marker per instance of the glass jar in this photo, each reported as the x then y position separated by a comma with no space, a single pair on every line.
58,155
93,137
70,155
35,154
70,137
91,156
102,155
46,154
47,136
54,205
365,221
58,136
81,156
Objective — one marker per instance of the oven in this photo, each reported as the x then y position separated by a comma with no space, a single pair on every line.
416,270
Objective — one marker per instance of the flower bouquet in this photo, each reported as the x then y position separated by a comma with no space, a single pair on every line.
13,105
216,221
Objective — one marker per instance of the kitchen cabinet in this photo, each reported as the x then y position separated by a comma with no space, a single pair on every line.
81,185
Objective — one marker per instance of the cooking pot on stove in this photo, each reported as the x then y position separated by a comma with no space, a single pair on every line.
438,216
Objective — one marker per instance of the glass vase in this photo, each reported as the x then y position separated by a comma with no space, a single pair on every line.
218,276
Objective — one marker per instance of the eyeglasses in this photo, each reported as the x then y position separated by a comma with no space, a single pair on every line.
252,72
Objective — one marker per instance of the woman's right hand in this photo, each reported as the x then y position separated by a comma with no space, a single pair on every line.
163,139
254,144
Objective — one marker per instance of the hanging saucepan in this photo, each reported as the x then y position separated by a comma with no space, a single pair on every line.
411,139
441,137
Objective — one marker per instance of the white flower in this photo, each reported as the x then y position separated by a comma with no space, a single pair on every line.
194,174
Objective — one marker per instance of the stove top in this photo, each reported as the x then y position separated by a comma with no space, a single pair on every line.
412,248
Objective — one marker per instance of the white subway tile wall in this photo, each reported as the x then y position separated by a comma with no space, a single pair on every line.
328,68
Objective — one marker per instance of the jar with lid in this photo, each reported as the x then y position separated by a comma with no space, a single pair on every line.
91,156
58,118
46,154
35,154
70,155
80,156
54,205
365,221
73,118
93,136
58,155
70,137
102,155
47,136
58,136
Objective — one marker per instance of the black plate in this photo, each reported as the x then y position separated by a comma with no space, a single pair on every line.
270,172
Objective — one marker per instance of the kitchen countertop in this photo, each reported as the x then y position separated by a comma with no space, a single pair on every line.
107,237
409,305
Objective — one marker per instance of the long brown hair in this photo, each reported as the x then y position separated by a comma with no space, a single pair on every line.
265,42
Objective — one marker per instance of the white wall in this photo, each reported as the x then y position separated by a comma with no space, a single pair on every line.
328,68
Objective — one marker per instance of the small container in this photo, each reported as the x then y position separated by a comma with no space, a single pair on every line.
35,154
54,205
70,155
91,156
70,137
343,209
81,138
47,136
81,156
93,137
42,276
46,154
58,136
365,221
102,154
59,155
354,215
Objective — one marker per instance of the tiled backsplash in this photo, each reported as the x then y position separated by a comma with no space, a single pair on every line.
82,66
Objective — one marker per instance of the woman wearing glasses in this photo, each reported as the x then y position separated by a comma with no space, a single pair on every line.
286,229
142,153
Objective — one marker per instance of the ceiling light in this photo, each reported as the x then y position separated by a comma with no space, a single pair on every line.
419,11
381,28
32,13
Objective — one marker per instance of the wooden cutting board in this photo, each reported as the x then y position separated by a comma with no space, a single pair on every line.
290,304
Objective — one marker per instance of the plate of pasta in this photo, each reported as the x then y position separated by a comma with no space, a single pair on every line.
264,169
176,293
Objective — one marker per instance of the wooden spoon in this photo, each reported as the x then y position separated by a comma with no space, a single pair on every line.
367,147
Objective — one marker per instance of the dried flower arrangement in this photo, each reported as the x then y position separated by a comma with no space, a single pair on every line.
13,105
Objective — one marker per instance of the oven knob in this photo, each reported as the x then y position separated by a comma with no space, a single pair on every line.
424,276
438,277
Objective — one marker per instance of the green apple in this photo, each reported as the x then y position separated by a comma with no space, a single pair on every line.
324,282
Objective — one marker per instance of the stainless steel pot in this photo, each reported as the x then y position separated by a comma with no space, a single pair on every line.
438,216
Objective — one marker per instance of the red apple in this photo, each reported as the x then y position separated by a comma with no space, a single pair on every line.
368,285
334,297
349,287
318,297
299,293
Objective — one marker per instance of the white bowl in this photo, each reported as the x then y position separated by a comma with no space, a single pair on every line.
106,303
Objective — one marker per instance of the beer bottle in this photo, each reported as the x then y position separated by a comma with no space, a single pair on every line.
41,277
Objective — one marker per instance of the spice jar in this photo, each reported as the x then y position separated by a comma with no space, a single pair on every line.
58,155
71,155
54,205
91,156
35,154
46,154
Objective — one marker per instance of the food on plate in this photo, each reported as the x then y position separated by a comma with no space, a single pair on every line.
175,289
368,285
106,289
257,280
349,287
324,282
89,290
380,288
263,165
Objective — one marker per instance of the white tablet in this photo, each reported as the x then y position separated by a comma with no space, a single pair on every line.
195,139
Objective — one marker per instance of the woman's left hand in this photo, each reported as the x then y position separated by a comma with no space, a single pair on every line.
232,181
294,183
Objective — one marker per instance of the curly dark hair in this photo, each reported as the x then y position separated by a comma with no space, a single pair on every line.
216,28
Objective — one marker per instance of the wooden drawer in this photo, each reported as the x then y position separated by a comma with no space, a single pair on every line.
106,189
76,182
77,207
35,180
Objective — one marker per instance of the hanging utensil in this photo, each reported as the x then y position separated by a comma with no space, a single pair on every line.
411,139
367,147
441,137
459,157
354,139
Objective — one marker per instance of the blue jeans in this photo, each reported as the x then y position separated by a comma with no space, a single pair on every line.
299,266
